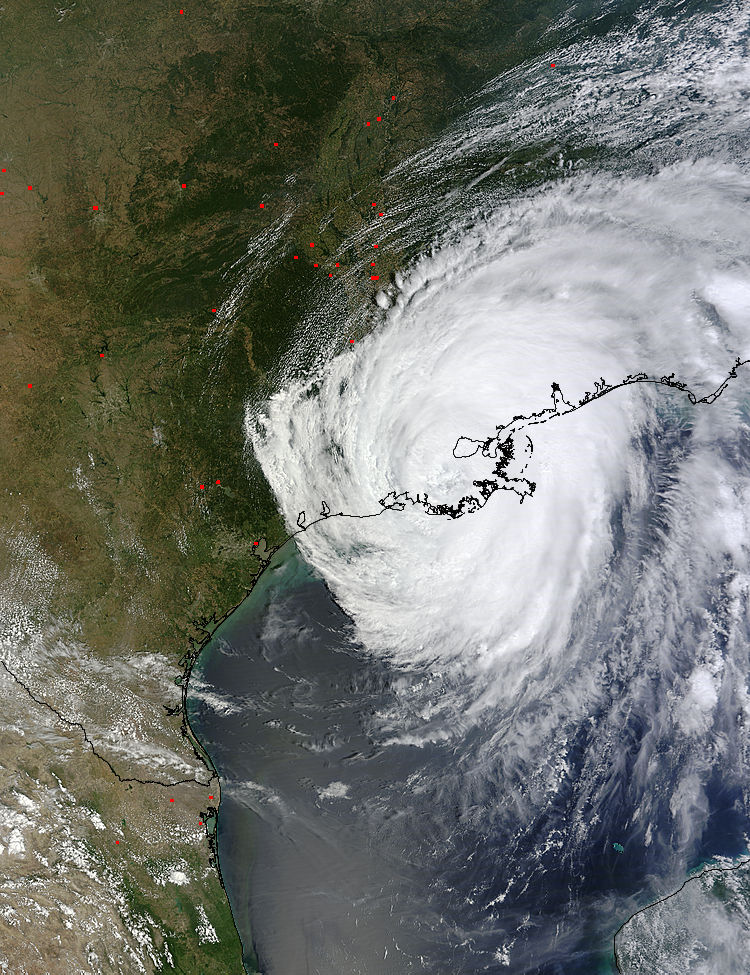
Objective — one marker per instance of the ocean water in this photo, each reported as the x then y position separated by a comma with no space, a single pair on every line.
432,729
293,743
339,848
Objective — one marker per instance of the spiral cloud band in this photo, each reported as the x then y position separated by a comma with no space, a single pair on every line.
580,651
602,277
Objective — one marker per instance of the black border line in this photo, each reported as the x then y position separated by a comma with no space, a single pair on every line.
77,724
698,876
500,444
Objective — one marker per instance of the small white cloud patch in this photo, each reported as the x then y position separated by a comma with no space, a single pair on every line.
96,819
16,844
335,790
205,930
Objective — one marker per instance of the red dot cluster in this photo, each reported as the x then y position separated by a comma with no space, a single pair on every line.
381,213
262,206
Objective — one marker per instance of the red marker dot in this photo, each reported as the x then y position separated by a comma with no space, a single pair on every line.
381,214
316,265
296,257
331,274
379,119
255,543
337,264
200,822
5,170
276,144
374,277
201,486
101,355
29,187
393,98
218,482
367,123
182,11
351,341
2,192
372,204
29,385
312,244
171,800
372,263
95,208
552,65
262,206
183,185
374,245
213,309
117,842
210,797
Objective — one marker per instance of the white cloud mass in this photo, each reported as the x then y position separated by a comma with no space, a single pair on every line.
597,633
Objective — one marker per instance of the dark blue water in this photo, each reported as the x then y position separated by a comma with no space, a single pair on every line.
303,880
343,851
368,826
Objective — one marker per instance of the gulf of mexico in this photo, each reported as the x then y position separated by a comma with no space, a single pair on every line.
365,826
344,847
281,699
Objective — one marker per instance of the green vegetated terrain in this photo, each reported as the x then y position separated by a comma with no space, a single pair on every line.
112,555
704,925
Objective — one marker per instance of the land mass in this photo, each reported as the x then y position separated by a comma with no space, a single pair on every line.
137,144
689,929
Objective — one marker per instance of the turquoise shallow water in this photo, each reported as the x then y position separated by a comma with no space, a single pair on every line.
280,700
332,844
450,802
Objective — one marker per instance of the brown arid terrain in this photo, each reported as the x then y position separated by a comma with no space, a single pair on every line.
137,146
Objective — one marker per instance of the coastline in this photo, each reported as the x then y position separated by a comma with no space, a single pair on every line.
211,821
208,627
700,873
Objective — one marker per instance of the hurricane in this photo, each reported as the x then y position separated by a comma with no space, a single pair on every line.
566,652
